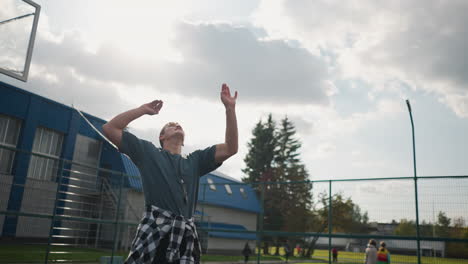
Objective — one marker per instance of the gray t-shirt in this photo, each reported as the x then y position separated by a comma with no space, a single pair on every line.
164,175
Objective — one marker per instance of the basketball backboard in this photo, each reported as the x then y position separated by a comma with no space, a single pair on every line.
18,25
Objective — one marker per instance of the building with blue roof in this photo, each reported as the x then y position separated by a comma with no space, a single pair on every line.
46,132
226,203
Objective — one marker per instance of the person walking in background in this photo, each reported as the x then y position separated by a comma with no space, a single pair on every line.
371,252
383,255
298,249
287,250
335,254
246,252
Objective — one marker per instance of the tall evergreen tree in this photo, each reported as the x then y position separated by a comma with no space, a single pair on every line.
273,156
288,146
298,200
259,167
296,197
261,149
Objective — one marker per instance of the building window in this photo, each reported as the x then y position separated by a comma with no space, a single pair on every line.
87,152
228,189
9,133
212,186
243,193
48,143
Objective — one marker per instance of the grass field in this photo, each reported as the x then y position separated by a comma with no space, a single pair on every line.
36,254
352,257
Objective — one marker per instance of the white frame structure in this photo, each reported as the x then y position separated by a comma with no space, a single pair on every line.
24,76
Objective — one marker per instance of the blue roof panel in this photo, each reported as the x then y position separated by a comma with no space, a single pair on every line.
247,201
133,179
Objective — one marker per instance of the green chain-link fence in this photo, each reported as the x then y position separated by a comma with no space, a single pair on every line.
63,211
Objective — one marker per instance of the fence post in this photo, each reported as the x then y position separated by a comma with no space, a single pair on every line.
418,242
54,213
117,217
260,222
418,237
330,227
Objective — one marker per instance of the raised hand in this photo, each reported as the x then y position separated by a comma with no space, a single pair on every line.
153,107
228,100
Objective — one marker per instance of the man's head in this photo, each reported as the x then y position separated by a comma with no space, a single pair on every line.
171,130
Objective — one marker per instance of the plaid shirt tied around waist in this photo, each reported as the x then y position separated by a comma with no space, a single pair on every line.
156,224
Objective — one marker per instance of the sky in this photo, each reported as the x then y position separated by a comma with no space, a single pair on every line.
340,70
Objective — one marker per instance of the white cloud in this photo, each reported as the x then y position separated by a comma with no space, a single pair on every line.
262,71
107,81
380,42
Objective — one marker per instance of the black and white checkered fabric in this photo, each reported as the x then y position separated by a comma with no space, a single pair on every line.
157,224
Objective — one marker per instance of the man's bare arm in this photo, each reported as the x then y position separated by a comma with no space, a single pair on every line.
113,129
230,145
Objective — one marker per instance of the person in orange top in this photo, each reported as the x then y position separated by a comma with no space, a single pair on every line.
383,255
